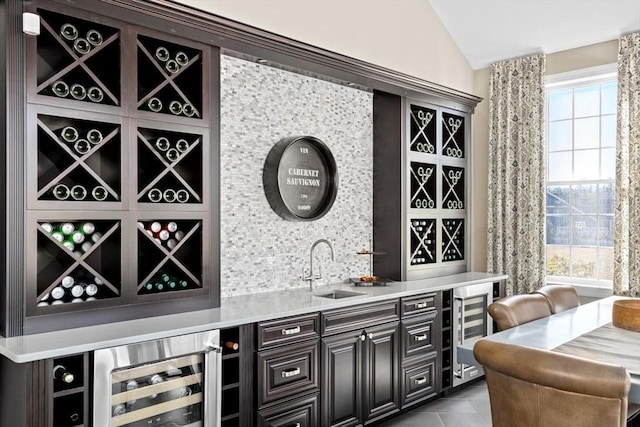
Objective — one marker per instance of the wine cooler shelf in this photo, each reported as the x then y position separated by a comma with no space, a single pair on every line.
80,61
80,261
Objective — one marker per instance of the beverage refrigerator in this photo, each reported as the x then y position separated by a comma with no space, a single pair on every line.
171,382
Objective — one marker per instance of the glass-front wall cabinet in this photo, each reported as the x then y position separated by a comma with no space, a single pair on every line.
119,165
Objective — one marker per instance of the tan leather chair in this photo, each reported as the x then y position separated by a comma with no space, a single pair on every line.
536,388
518,309
560,297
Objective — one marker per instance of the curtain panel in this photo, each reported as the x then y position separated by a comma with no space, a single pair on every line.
516,216
626,246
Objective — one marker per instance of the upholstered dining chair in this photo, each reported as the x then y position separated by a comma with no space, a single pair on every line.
530,387
515,310
560,297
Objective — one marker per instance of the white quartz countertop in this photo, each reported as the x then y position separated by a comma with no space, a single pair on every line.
233,311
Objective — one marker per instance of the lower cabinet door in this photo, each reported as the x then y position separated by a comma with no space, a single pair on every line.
418,382
341,380
302,412
380,372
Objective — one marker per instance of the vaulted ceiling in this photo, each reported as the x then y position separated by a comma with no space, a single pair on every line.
488,31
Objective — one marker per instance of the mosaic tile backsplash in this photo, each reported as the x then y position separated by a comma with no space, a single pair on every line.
261,105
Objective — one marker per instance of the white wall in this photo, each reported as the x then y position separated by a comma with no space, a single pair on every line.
403,35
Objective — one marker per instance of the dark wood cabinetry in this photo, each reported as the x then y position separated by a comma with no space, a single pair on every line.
421,358
288,371
237,376
120,167
360,367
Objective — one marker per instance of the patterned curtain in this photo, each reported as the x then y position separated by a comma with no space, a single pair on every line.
516,241
626,269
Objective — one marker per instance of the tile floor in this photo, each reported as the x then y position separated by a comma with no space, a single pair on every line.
468,407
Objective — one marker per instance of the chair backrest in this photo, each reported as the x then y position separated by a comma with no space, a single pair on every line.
537,388
560,297
518,309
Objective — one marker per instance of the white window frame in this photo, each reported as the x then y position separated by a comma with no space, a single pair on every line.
568,80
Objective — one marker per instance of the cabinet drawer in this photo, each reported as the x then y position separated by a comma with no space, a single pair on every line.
296,413
418,304
285,371
358,317
419,336
418,382
290,329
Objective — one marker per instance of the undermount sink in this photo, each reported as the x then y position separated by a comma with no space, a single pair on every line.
337,294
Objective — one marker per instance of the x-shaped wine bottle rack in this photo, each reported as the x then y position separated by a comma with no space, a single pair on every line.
453,187
422,118
422,185
453,145
423,231
452,239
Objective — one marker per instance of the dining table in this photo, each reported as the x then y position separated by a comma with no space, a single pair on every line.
585,331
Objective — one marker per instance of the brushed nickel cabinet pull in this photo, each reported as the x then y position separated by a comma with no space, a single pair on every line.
420,337
420,305
291,331
420,381
290,373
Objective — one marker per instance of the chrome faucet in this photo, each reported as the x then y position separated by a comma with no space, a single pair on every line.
309,277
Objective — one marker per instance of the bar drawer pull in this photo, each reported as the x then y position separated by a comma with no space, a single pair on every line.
420,305
291,331
420,337
420,381
290,373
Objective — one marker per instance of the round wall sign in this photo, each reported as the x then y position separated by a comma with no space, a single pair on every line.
300,178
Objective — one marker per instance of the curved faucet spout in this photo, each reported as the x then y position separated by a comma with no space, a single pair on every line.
311,278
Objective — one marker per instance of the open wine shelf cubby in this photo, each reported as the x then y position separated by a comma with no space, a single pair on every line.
119,159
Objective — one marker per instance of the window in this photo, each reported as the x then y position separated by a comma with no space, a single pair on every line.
581,138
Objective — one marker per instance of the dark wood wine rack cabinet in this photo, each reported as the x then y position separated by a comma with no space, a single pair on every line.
237,376
121,171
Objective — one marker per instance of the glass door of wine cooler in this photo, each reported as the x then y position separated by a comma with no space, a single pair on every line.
172,382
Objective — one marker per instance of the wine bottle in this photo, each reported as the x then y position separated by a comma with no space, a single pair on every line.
67,282
99,193
82,146
46,226
78,192
155,227
172,227
154,104
148,286
181,58
154,195
169,195
96,236
78,290
182,145
60,89
69,245
98,281
42,304
188,110
57,235
77,237
162,143
119,409
94,37
94,136
171,66
162,54
175,107
81,46
86,246
61,373
57,293
153,380
182,196
179,235
183,283
67,228
69,134
88,228
78,91
231,345
95,94
159,287
172,155
69,31
61,192
91,289
163,235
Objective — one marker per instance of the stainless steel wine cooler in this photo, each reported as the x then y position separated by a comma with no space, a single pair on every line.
164,383
471,321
